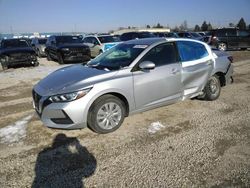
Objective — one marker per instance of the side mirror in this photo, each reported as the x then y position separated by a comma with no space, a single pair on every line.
147,65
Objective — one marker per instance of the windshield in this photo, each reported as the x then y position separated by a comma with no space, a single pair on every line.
42,41
68,39
195,35
107,39
146,35
117,57
14,43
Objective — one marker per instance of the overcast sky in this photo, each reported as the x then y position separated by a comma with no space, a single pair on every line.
101,16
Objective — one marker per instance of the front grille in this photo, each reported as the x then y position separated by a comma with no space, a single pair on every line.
78,50
19,56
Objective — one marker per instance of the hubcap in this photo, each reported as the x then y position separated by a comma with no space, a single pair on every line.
213,86
109,115
222,47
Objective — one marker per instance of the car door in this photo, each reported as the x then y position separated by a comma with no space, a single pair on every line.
162,84
197,65
244,38
232,38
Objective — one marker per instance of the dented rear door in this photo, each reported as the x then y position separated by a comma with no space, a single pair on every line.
197,65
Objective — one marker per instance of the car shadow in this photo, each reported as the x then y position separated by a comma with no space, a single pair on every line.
65,164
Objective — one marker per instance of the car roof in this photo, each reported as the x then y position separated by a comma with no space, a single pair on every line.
150,41
145,41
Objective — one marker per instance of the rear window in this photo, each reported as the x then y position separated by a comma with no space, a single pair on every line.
42,41
190,51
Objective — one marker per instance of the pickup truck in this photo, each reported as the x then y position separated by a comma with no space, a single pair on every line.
131,77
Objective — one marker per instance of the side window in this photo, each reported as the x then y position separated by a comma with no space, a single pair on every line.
221,33
231,33
95,41
190,51
243,33
48,41
87,40
162,55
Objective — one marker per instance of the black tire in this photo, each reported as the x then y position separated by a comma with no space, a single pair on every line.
36,64
60,59
48,56
212,89
98,107
5,67
222,46
39,53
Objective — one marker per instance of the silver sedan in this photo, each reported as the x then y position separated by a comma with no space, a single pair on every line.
132,77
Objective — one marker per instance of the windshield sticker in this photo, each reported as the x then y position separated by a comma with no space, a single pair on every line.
140,46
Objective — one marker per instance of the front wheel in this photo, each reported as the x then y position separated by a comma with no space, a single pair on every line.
60,58
212,89
48,56
222,46
106,114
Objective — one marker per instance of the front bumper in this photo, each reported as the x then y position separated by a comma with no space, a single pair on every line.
76,58
64,115
20,62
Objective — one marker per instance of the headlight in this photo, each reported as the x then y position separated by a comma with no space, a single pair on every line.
67,97
65,49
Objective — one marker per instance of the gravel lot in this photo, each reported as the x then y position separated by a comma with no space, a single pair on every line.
189,144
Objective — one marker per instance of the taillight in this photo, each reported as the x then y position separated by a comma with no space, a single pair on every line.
230,58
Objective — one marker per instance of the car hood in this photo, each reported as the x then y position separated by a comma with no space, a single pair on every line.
16,50
70,45
71,78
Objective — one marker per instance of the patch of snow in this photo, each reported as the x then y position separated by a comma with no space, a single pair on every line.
155,126
14,132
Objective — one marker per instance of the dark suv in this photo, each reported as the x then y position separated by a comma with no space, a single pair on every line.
67,48
15,52
136,35
230,38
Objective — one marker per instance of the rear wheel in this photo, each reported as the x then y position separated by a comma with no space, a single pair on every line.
48,56
60,58
4,67
106,114
222,46
212,89
36,64
39,53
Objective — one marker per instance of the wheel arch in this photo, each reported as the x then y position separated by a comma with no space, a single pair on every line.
118,95
221,77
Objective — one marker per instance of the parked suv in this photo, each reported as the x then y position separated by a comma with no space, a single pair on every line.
38,44
67,48
15,52
99,44
230,38
136,35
